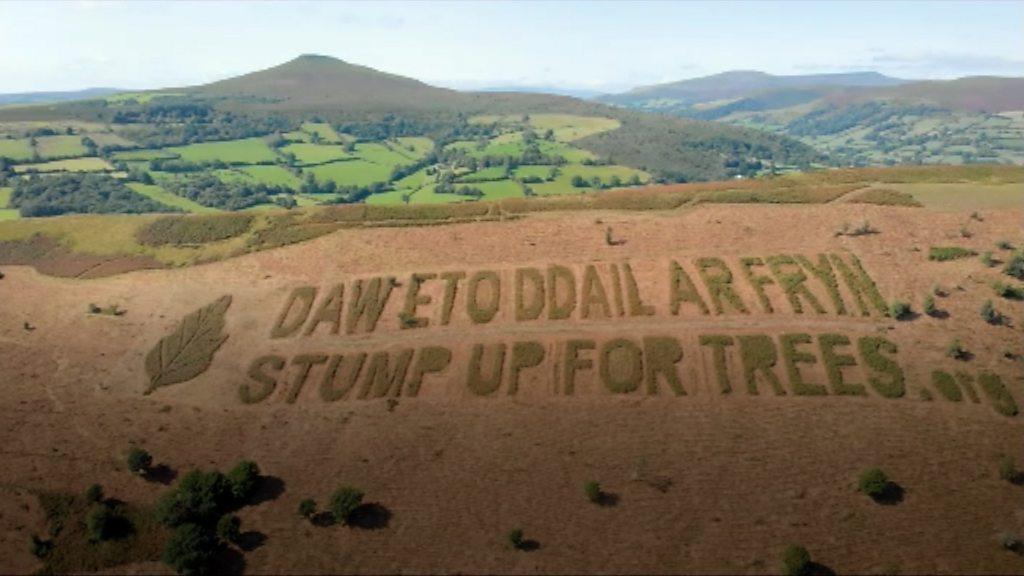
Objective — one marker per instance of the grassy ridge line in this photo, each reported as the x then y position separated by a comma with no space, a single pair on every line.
118,235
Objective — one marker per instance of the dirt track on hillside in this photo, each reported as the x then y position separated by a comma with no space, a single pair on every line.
705,482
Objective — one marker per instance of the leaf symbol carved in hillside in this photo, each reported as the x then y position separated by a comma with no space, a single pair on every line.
188,351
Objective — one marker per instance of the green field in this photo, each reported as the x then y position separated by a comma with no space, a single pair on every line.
17,150
5,200
245,151
60,147
110,139
498,190
416,146
352,172
324,131
164,197
381,153
310,154
88,164
484,175
272,175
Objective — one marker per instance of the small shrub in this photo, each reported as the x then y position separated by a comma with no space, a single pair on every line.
990,314
977,217
515,538
1010,542
593,491
1004,245
39,547
190,549
987,259
94,494
946,253
874,483
344,502
1007,469
94,309
139,460
965,232
1008,291
956,350
1015,266
900,310
938,290
307,508
796,561
99,523
928,305
229,528
243,479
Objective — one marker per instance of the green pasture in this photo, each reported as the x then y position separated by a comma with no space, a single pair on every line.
324,130
272,175
60,146
87,164
415,180
381,154
17,150
309,154
484,175
162,196
244,151
416,146
111,139
352,172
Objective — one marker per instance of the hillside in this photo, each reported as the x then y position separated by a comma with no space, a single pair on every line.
858,119
724,360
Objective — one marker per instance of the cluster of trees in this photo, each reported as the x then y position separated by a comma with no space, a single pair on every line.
199,512
614,182
81,194
157,126
208,190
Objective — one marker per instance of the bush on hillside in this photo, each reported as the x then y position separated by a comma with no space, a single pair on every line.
344,502
874,483
796,561
229,528
244,478
139,460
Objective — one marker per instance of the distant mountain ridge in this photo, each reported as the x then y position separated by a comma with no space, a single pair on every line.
739,83
65,96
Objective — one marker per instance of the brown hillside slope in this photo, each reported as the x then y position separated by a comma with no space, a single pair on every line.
706,482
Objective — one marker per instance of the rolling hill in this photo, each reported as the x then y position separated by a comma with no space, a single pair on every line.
353,151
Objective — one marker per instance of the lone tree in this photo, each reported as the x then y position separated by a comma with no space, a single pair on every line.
796,561
593,491
139,460
94,494
344,502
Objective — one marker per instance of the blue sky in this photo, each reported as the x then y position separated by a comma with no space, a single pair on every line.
596,45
